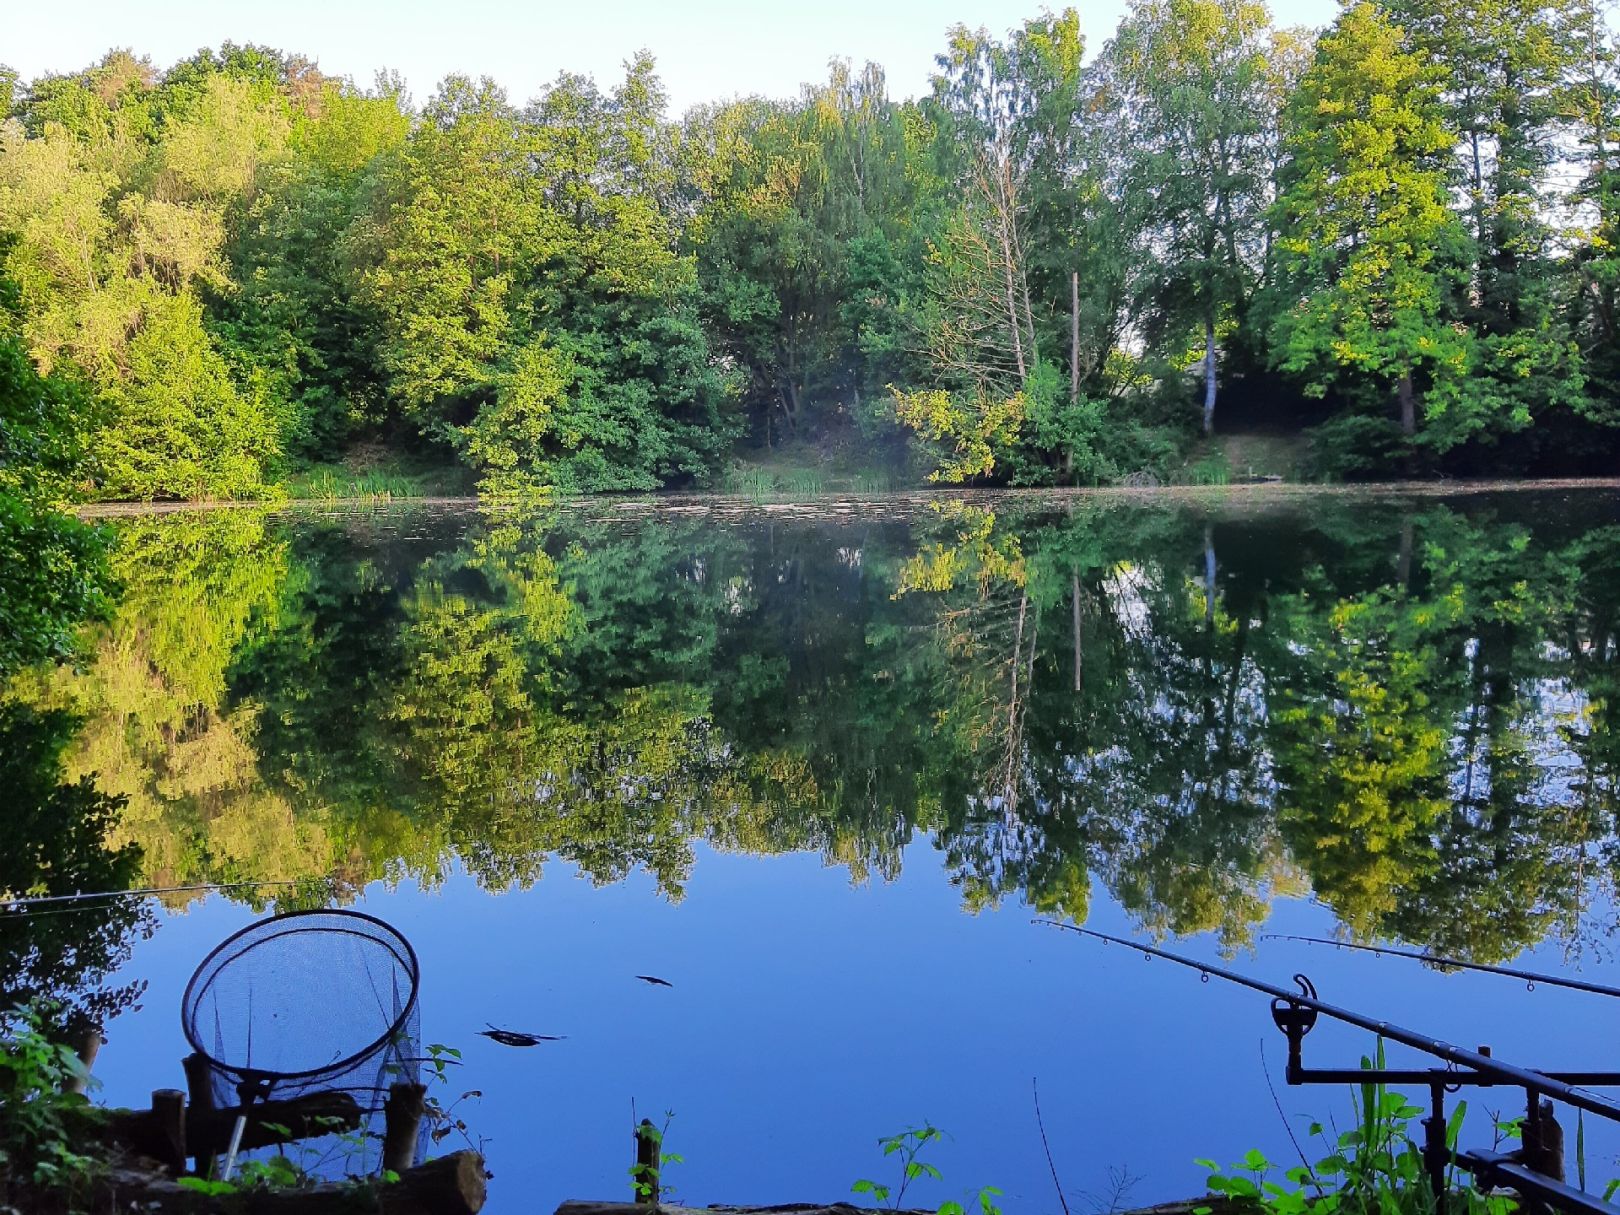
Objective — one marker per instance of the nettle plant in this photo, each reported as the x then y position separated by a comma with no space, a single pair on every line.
1375,1168
909,1146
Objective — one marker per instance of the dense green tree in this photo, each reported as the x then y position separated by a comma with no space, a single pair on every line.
1366,230
1505,71
52,567
297,311
116,234
536,313
1185,76
807,247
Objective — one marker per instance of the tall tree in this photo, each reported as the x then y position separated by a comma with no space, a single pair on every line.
1188,74
1365,225
1503,68
120,226
807,208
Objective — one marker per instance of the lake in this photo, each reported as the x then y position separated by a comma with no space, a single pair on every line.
820,764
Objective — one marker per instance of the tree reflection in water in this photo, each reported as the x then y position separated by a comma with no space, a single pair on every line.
1399,706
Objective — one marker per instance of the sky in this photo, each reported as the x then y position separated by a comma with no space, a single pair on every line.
707,50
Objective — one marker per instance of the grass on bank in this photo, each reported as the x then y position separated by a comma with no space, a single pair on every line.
808,471
792,473
378,481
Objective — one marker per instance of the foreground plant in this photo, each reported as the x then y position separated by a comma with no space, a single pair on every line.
42,1124
909,1146
1375,1168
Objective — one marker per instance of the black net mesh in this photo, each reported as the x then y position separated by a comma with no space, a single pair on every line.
310,1002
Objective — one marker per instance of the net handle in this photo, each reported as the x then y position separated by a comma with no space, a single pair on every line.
193,991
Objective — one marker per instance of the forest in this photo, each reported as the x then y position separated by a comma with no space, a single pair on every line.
1398,237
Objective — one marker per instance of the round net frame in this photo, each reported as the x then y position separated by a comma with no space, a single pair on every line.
309,1002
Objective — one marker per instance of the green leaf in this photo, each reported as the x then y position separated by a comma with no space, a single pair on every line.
1454,1123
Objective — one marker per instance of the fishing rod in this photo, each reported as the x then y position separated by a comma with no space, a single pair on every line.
1284,1000
22,904
1530,977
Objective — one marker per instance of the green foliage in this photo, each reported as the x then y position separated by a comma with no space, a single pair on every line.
52,579
42,1126
909,1146
1366,231
253,266
1375,1168
179,426
648,1179
52,569
118,224
974,427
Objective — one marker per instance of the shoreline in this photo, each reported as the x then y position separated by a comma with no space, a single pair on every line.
689,502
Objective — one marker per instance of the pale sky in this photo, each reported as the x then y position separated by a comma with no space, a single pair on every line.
706,49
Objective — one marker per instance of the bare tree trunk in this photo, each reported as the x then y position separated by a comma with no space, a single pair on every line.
1009,269
1403,391
1023,276
1074,337
1074,362
1079,648
1209,374
1209,574
1403,556
1018,653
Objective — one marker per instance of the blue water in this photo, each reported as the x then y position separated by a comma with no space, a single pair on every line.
810,1016
817,767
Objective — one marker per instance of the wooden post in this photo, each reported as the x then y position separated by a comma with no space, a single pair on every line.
1544,1141
648,1145
200,1088
169,1125
402,1125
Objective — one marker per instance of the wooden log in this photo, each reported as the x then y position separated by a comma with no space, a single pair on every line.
306,1117
1218,1204
402,1129
451,1185
207,1132
578,1207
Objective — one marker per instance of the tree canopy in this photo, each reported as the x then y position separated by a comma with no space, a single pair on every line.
1395,235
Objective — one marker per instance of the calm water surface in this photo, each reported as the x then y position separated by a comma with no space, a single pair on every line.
819,766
